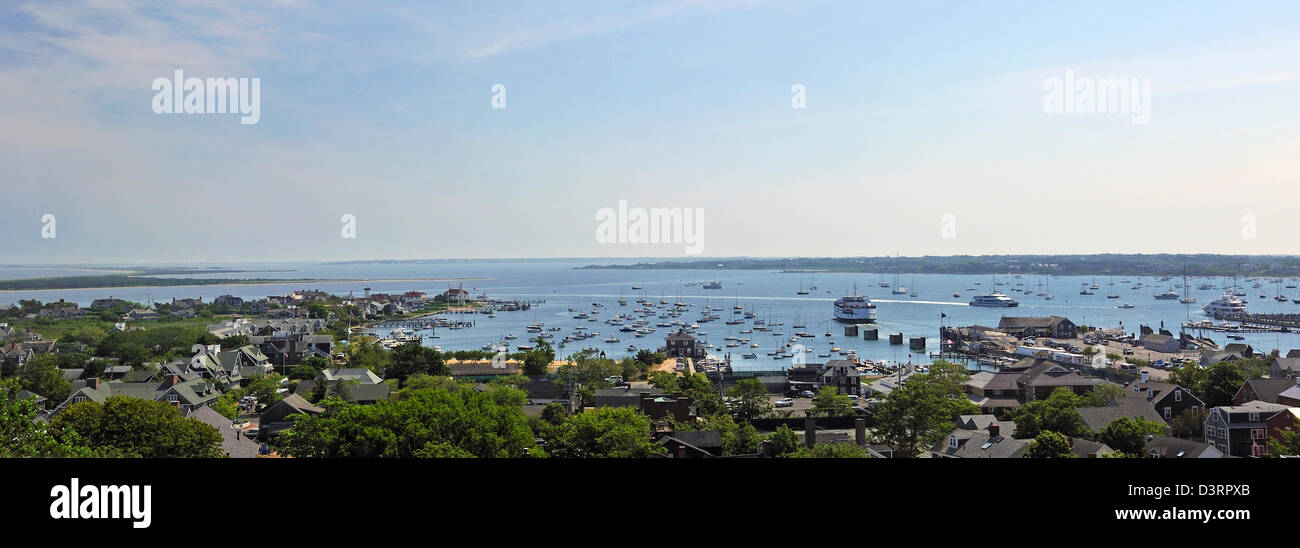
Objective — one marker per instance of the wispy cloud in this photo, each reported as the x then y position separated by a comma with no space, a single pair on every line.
533,38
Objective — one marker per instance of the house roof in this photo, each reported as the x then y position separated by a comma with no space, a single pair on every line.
1293,393
1021,322
301,405
1268,389
1256,406
366,376
978,445
1288,364
236,447
1130,405
1083,448
1167,447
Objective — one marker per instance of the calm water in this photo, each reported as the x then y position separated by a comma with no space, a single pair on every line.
770,295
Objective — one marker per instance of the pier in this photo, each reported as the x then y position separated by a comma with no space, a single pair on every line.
1283,323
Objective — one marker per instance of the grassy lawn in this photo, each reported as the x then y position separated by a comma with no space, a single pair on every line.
56,329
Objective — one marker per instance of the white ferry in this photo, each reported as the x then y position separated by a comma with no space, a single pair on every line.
855,308
994,299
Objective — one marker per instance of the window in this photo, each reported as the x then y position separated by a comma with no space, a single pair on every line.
1178,396
1256,433
79,399
1168,412
1254,417
173,397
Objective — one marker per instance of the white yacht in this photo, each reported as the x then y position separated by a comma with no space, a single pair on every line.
855,308
1227,304
994,299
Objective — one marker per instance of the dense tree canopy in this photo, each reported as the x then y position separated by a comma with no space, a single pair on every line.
1058,413
607,432
423,423
137,427
1129,434
920,413
1050,445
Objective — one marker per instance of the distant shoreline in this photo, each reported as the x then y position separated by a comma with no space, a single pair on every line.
260,281
1172,265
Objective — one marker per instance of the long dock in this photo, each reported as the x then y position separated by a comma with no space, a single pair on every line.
1262,321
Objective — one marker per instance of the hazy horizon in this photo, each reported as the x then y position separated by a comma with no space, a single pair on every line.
918,134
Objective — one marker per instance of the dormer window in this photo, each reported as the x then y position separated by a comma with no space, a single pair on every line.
952,442
173,397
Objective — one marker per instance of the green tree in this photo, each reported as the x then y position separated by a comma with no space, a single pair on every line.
555,413
1058,413
607,432
1222,380
665,381
749,399
830,403
23,435
832,451
1102,394
785,442
537,360
1050,445
1190,424
423,423
1289,444
137,427
921,412
698,387
414,359
41,375
1129,434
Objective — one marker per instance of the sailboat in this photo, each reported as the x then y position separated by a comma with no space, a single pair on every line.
1187,293
898,289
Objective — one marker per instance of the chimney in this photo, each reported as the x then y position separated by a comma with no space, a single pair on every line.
810,431
93,383
1146,376
994,430
173,380
860,431
681,451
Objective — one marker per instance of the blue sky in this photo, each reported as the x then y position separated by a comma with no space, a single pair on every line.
913,112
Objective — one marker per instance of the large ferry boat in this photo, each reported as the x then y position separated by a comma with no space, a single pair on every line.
1227,304
713,285
994,299
855,308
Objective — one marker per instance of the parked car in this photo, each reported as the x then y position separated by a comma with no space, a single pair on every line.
784,402
252,433
807,394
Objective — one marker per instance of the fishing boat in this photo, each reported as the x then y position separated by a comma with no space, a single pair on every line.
713,285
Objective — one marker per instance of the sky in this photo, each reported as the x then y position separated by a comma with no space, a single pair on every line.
924,129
